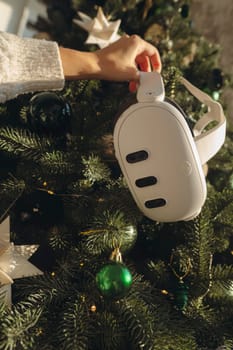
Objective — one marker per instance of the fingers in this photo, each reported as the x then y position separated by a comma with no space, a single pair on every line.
147,59
156,63
143,62
153,59
133,85
145,49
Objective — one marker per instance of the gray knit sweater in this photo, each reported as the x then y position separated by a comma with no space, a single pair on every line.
28,65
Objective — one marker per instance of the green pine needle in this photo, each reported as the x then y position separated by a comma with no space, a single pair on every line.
22,143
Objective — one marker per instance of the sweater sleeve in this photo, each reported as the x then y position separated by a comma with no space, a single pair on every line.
28,65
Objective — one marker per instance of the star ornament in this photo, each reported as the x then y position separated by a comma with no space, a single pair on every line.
13,261
101,31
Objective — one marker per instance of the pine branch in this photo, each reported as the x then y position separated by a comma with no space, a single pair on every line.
16,327
43,289
109,230
73,330
22,143
108,332
138,322
57,163
200,243
95,170
10,190
222,286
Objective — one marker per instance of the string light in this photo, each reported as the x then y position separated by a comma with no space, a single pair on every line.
59,194
39,331
50,192
93,308
164,291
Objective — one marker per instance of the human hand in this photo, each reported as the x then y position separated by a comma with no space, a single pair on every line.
123,59
120,61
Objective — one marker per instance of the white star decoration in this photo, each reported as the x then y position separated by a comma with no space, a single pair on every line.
101,31
13,261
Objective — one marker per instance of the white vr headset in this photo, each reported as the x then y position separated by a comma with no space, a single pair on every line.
160,157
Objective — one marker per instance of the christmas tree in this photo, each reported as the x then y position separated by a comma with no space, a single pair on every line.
113,279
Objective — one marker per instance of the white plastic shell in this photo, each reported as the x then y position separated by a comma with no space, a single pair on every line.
159,129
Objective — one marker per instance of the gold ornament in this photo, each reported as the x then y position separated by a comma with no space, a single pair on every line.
185,274
116,255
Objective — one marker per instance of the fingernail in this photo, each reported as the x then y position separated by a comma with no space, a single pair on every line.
132,86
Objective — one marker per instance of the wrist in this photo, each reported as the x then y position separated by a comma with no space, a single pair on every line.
79,65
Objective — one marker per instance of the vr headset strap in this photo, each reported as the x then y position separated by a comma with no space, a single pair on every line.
208,142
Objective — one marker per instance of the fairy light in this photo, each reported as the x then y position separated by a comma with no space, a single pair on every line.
50,192
93,308
164,291
39,331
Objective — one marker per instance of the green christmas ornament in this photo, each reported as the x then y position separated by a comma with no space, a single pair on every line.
181,291
114,279
181,295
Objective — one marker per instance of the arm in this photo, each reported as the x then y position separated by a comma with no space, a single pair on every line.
28,65
118,61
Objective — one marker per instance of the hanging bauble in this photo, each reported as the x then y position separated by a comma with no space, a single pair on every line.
114,280
181,295
49,111
181,289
